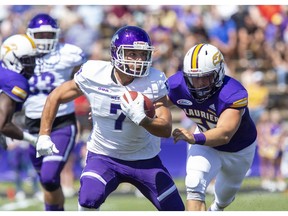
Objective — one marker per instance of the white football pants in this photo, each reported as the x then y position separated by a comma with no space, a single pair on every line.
205,163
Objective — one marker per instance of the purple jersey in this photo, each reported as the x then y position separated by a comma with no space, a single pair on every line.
231,95
14,85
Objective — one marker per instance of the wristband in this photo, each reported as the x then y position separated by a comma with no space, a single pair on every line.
200,138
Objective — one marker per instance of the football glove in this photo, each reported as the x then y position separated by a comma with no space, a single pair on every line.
133,109
45,146
30,138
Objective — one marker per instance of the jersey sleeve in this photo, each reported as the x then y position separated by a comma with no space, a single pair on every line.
75,55
81,77
238,100
163,88
17,88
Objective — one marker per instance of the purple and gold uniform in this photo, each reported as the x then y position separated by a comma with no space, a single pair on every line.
14,85
222,147
231,95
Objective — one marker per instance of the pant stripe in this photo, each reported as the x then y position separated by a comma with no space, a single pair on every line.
94,175
166,193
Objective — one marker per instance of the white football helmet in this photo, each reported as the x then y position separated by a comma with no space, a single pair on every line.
18,54
203,60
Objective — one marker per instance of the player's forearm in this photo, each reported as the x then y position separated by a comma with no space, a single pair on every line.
48,115
64,93
161,125
218,136
157,126
12,131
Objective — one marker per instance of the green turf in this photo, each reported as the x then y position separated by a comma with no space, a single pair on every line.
250,198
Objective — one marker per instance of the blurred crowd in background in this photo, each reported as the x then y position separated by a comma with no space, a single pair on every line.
252,38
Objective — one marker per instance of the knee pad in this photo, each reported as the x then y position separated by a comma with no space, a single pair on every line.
195,187
50,185
50,175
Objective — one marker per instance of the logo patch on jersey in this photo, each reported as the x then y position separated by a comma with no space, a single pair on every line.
184,102
212,106
19,92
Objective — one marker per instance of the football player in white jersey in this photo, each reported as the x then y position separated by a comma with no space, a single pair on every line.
124,143
56,64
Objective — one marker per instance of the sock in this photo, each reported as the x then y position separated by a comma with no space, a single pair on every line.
215,207
53,207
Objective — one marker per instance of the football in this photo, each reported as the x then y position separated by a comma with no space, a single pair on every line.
148,105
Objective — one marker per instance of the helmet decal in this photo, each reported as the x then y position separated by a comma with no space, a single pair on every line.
194,59
18,53
217,58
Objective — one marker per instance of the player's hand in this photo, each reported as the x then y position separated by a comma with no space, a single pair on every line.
45,146
30,138
183,134
133,109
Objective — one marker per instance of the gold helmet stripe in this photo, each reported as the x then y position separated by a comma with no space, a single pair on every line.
194,58
31,40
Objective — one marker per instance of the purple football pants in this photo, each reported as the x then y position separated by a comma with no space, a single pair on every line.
103,174
50,167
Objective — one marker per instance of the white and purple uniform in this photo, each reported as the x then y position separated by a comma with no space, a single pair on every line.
118,149
52,70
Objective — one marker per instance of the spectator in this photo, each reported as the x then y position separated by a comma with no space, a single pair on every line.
258,95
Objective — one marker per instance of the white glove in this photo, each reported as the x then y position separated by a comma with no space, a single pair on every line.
133,109
29,138
45,146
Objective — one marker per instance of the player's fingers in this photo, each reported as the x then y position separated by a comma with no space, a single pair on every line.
175,132
38,155
128,96
54,149
140,97
124,103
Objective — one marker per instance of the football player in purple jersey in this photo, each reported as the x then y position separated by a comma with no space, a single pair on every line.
124,143
222,146
56,63
16,67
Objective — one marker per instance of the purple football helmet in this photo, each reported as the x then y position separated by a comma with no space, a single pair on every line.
131,38
44,30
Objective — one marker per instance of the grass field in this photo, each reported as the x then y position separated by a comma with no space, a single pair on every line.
250,198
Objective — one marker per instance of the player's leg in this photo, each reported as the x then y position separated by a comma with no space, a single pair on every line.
202,166
50,167
155,182
97,181
231,176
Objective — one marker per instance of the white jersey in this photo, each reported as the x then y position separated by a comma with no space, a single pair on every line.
114,134
52,70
